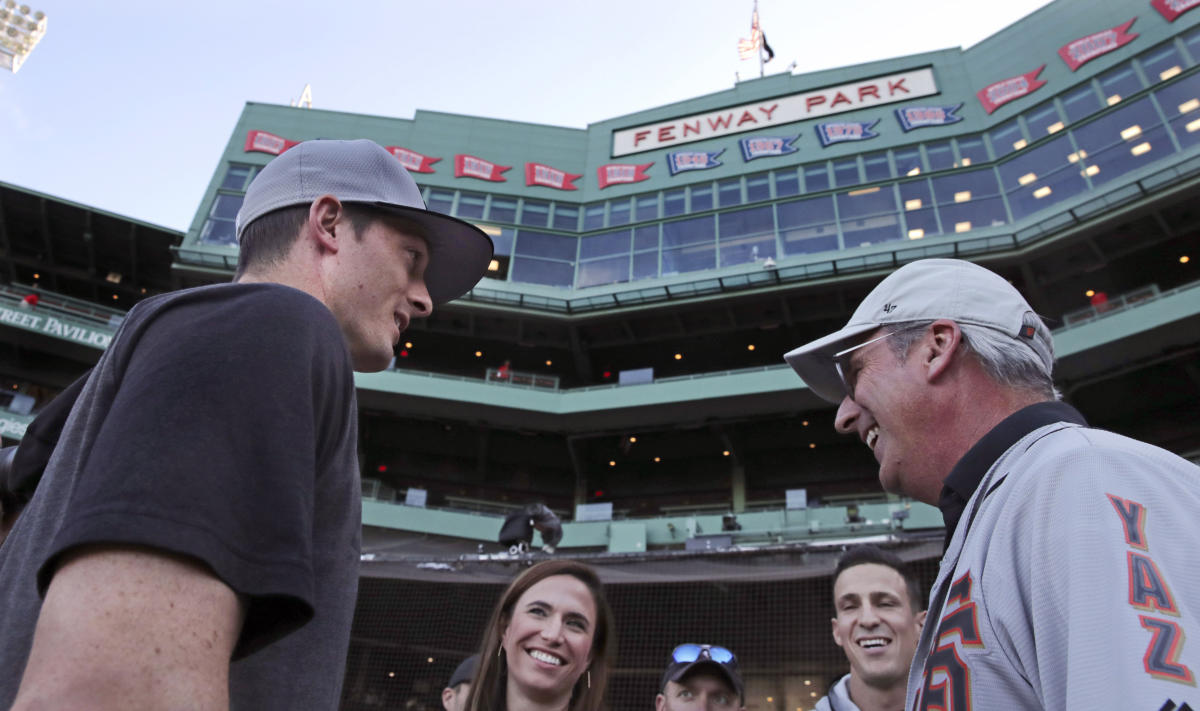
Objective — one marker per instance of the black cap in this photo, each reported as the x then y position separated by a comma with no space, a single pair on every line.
465,671
728,670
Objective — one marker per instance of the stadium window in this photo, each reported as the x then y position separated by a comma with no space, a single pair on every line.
534,213
645,265
1119,84
1181,103
729,192
440,201
541,271
940,155
982,206
758,187
868,216
1081,102
688,245
787,183
845,172
702,198
609,270
503,210
876,166
674,202
645,237
603,245
1161,63
816,177
566,217
1006,138
550,246
219,228
807,226
593,216
646,207
470,205
542,258
237,177
971,151
1192,41
920,216
746,235
1123,140
1037,179
908,161
618,212
1043,120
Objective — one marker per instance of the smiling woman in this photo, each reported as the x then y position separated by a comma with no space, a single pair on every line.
548,644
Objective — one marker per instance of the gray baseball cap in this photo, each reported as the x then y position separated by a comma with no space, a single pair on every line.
361,171
926,290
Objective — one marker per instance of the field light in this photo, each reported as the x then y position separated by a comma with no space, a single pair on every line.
20,31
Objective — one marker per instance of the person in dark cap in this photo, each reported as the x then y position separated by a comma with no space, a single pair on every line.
517,529
701,677
194,540
454,696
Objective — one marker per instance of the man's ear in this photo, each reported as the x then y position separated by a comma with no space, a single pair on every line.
447,697
940,347
323,214
837,636
660,702
921,619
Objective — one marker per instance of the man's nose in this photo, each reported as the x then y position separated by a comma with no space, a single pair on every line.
847,416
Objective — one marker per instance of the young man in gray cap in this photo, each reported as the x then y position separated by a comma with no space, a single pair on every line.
194,540
454,696
701,677
1071,573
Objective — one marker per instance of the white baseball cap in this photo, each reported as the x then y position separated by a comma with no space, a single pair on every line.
926,290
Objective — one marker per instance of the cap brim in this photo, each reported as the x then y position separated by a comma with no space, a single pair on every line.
813,362
676,674
459,252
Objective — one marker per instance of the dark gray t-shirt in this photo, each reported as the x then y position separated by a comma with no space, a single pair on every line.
220,424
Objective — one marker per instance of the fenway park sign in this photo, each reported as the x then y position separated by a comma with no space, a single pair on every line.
780,110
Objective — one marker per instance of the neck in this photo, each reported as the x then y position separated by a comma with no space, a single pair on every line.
870,698
517,699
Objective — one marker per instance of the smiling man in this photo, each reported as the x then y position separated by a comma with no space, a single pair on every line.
1069,579
194,539
878,618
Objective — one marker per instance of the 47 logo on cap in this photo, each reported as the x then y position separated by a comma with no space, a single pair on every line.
888,308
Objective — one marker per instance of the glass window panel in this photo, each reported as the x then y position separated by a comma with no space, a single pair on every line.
645,237
697,229
1192,40
604,271
503,242
541,271
908,161
972,215
541,244
503,210
876,166
217,231
971,151
870,230
1181,103
964,187
470,205
816,178
845,172
566,217
1119,83
1040,178
869,201
593,216
605,244
227,206
235,177
647,207
688,259
1081,102
755,221
618,212
1161,63
674,202
914,195
807,226
748,248
1121,141
758,187
1043,120
921,223
1006,138
645,265
787,183
940,155
535,214
702,198
440,201
729,192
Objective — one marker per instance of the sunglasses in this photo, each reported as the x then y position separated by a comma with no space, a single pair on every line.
685,653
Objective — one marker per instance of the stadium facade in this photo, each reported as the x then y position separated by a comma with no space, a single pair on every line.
650,271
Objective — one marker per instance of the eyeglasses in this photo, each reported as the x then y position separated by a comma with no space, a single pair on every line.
685,653
841,360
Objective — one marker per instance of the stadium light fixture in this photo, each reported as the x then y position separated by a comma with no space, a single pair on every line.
1140,148
20,30
1189,105
1184,259
1169,72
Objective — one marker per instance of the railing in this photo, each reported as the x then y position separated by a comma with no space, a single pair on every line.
504,376
54,303
1138,297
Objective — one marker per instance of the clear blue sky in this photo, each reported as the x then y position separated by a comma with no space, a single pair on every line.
127,106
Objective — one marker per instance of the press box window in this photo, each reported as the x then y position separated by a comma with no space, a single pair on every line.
237,177
219,228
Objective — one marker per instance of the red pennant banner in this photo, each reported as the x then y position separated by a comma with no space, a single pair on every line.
1085,49
412,161
617,173
538,174
263,142
471,167
996,95
1172,9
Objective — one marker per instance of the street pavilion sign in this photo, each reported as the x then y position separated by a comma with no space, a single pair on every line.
777,111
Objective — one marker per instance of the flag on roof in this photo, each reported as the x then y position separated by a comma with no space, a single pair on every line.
748,47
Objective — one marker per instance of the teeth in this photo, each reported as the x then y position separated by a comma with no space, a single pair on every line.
872,437
544,657
873,642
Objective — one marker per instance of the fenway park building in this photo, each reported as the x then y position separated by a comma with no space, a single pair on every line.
622,360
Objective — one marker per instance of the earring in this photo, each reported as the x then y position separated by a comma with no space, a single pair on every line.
499,651
589,673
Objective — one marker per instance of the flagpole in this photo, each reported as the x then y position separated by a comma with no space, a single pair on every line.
760,42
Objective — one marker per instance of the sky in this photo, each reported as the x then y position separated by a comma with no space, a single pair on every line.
127,106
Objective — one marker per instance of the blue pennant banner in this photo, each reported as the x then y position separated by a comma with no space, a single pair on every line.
831,133
763,146
692,160
922,116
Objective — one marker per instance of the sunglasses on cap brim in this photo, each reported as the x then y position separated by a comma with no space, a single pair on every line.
685,653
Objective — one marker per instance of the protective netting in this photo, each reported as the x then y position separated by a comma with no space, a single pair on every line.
416,622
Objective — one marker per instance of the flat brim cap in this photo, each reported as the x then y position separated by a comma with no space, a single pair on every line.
464,672
926,290
361,171
679,670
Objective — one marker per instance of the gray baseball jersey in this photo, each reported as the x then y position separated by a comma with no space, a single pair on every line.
1069,582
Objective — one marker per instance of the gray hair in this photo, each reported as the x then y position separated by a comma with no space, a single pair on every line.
1005,359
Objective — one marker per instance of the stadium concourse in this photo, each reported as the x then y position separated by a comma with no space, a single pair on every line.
650,272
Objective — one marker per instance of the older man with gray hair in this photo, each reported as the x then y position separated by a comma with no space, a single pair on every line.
1070,575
